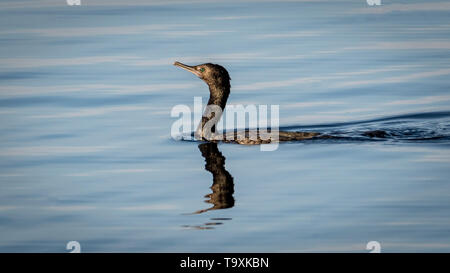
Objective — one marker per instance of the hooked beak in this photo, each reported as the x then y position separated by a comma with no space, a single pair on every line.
188,68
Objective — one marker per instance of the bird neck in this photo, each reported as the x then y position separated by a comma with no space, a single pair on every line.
216,105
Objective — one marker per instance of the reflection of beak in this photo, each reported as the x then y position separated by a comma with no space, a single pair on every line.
188,68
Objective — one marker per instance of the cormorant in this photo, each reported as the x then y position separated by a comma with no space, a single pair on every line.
218,81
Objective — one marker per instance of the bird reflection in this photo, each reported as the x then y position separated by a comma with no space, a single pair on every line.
222,187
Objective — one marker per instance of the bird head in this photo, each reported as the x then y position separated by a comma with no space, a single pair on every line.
211,74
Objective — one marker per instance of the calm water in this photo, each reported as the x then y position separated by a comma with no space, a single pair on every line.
85,148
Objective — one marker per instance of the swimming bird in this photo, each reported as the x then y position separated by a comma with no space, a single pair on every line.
218,81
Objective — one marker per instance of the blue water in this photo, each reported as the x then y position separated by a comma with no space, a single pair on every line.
86,153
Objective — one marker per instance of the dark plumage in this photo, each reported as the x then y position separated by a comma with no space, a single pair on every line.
218,81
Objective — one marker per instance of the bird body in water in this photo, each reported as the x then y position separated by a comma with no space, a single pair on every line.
218,81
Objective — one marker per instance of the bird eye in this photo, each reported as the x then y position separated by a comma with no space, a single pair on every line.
202,69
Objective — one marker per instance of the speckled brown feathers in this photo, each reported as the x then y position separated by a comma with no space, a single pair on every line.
218,81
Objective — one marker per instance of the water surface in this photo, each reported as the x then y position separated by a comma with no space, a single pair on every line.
85,147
